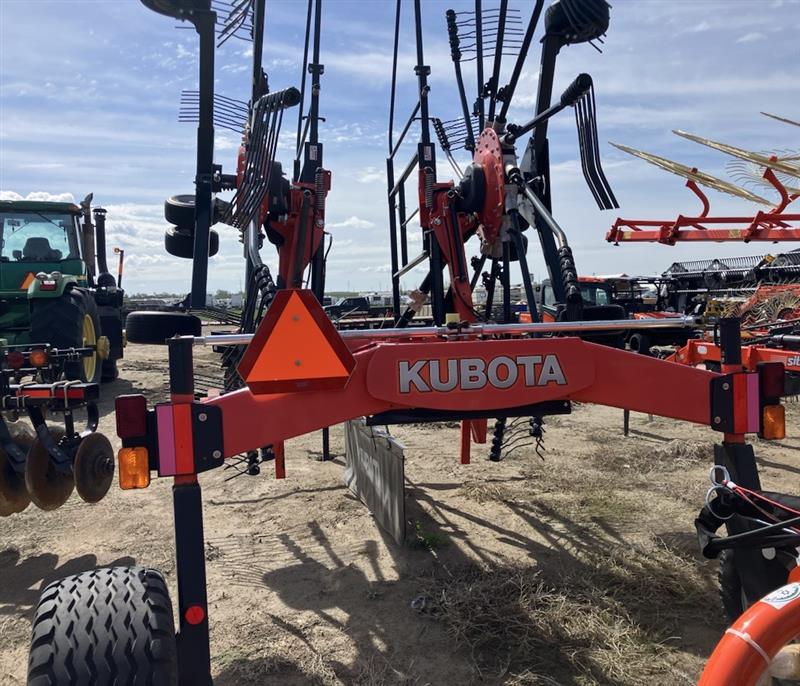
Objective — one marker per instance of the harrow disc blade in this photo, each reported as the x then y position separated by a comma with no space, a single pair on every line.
13,495
93,467
49,489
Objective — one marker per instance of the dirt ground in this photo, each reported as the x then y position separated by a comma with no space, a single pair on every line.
578,569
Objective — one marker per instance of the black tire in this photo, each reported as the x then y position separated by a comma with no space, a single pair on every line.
179,210
640,343
730,588
110,372
107,626
766,575
180,243
59,322
156,327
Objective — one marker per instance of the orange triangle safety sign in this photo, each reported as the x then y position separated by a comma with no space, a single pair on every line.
296,348
27,281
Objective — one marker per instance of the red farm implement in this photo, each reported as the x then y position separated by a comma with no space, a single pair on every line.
292,372
779,173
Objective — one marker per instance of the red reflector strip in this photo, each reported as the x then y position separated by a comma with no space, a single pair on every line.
72,393
184,446
48,286
753,404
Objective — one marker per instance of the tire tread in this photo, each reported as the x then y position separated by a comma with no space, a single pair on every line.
109,626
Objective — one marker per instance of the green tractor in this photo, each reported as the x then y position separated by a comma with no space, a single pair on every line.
55,287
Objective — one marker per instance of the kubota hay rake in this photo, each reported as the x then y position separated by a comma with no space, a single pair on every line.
300,374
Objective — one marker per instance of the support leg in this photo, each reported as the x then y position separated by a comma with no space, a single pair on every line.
194,655
280,460
326,444
465,440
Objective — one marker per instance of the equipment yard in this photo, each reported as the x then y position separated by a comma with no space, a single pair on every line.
579,569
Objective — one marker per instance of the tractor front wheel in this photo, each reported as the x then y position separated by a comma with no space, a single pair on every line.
108,626
70,321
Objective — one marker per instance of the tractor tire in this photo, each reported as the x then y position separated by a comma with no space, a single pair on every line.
109,626
155,328
180,243
110,371
179,210
640,343
70,321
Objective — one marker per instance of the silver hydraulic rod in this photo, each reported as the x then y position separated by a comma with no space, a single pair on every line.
541,210
419,259
480,330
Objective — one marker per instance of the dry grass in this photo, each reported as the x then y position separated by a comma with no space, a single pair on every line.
650,456
486,491
605,619
377,670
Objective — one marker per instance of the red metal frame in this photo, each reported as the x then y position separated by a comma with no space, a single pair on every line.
296,245
697,352
772,225
591,373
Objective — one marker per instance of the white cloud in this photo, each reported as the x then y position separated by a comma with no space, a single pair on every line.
42,196
751,37
352,222
370,175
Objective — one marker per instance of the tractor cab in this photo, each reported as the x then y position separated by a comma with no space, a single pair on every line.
38,237
55,288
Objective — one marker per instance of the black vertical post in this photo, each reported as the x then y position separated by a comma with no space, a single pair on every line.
194,656
519,245
393,238
730,342
312,155
479,64
540,148
326,444
402,220
494,83
506,281
390,174
493,274
204,23
437,283
427,167
301,109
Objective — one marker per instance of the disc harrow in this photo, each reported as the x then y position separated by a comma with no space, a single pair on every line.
41,462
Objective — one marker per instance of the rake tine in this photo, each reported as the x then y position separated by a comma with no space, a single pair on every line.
582,145
598,166
589,171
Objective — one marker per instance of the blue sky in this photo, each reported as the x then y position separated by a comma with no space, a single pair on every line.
89,96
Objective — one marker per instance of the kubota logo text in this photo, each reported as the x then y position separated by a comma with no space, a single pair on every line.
473,373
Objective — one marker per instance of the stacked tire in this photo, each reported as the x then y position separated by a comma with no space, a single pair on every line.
179,210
